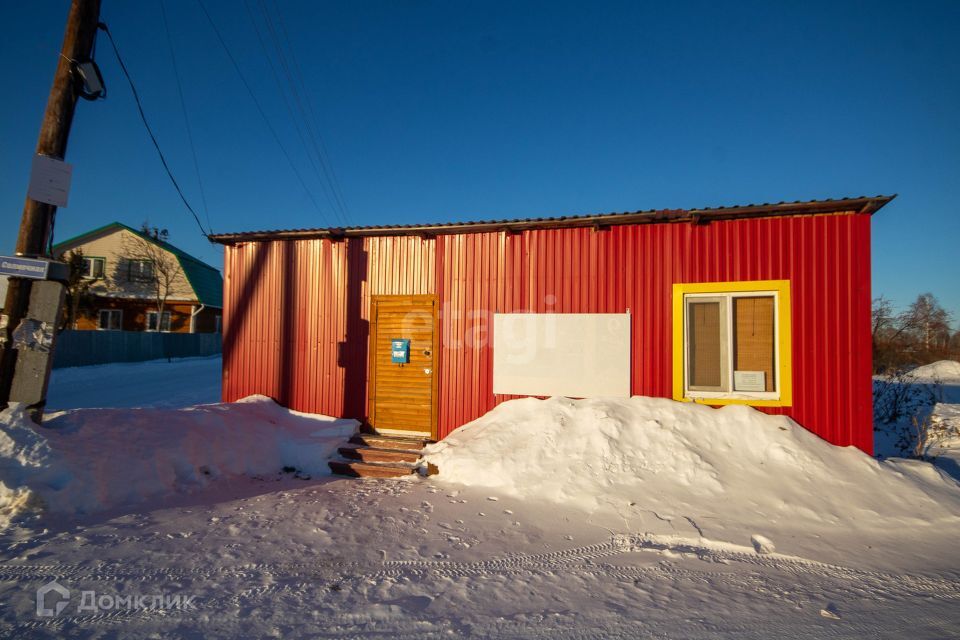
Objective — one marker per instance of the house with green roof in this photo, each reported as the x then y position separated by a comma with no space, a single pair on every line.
133,280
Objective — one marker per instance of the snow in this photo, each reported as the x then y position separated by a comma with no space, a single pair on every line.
157,383
89,460
941,371
636,518
945,419
928,395
733,464
947,413
352,558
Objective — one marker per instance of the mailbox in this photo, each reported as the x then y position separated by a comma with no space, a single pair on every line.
400,351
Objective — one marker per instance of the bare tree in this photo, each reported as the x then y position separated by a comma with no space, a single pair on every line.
889,346
78,287
919,335
929,321
882,322
882,315
152,264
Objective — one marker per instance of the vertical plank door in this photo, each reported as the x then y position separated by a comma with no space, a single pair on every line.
403,397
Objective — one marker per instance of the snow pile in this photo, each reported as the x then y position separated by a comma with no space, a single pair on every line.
941,371
668,456
944,413
24,453
89,460
945,423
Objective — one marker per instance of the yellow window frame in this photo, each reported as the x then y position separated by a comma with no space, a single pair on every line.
784,338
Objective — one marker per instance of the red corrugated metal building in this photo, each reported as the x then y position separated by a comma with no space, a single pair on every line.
766,305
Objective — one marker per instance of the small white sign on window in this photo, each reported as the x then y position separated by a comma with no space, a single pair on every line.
50,180
749,381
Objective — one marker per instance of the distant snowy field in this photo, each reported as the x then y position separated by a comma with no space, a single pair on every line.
558,518
157,383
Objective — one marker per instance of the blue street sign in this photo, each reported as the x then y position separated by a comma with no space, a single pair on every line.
24,267
400,351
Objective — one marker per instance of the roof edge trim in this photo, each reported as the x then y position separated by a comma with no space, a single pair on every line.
863,204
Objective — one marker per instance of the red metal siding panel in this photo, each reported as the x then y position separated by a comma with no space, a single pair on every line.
826,258
296,316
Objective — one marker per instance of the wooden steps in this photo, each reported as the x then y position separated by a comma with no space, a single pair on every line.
377,456
371,454
389,442
357,469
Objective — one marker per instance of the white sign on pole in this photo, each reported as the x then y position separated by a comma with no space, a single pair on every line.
50,180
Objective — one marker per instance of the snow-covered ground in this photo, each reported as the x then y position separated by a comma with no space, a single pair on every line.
726,474
90,460
928,397
944,371
638,518
158,383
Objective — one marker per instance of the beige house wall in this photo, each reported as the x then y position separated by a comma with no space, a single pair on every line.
115,247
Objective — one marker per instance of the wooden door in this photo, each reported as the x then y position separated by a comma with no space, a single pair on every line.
403,396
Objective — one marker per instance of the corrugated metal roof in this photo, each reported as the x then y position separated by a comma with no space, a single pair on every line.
860,204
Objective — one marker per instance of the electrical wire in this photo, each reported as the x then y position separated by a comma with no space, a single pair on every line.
153,138
186,118
299,73
294,75
263,114
286,101
324,176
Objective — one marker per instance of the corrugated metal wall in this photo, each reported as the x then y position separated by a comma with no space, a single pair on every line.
826,258
296,316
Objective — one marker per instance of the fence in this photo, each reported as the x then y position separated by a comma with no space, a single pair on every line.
81,348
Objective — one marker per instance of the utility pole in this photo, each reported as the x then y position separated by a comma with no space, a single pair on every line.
37,220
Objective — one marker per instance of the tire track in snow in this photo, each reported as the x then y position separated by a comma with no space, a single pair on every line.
298,578
721,553
107,618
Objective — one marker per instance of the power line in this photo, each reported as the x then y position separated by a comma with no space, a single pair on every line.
295,78
186,119
256,103
323,176
153,138
286,102
299,73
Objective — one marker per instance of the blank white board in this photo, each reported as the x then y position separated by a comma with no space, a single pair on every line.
578,355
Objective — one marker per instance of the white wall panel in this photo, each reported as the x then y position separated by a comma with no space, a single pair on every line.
578,355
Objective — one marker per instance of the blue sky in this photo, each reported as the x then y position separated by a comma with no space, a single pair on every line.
436,111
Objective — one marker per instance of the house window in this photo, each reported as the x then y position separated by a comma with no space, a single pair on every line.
140,270
110,320
732,343
93,268
152,321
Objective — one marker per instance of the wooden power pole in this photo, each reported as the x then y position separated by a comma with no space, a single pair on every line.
35,225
